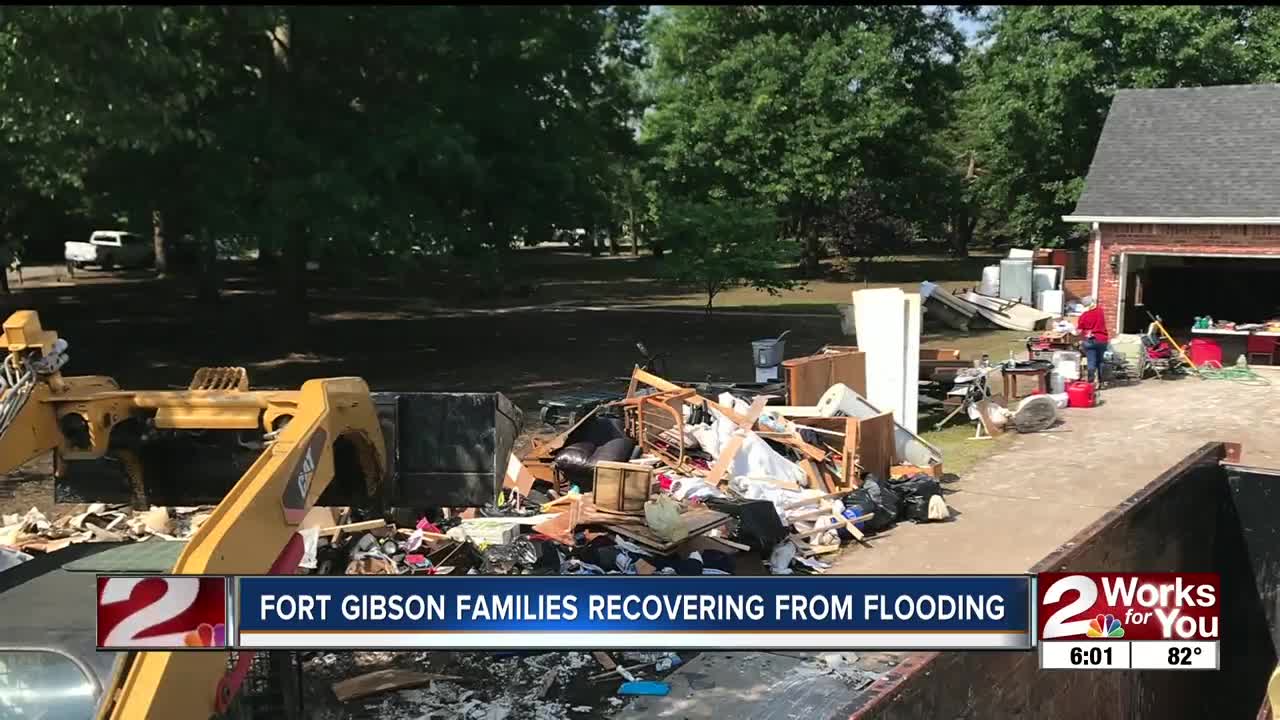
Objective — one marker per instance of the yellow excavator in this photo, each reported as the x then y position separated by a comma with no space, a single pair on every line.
331,438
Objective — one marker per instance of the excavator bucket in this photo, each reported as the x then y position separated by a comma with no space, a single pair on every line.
443,450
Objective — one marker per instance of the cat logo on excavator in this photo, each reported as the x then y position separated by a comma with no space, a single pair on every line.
295,493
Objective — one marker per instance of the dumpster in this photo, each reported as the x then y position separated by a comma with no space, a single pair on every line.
1208,513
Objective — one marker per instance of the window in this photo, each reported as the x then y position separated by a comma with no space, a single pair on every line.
46,685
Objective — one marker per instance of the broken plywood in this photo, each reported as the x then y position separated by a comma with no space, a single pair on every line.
875,444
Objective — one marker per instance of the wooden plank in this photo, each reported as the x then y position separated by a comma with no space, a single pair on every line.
383,681
605,660
807,378
849,368
817,478
731,448
875,444
850,462
801,502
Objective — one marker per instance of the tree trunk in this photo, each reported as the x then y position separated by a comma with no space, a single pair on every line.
4,278
293,280
633,231
157,238
656,246
811,265
210,280
963,224
592,242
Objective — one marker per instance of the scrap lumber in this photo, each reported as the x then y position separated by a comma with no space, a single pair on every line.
809,377
383,681
876,444
605,660
731,448
801,502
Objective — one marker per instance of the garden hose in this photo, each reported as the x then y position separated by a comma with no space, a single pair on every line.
1213,370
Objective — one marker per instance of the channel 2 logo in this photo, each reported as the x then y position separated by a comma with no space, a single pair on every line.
162,613
1127,606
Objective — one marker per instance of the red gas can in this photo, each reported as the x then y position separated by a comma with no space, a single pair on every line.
1081,394
1202,351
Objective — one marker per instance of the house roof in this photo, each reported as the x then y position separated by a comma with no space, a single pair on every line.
1187,155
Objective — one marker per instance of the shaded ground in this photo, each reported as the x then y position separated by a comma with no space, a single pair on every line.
153,334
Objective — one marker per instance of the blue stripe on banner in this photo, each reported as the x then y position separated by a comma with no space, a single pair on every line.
629,604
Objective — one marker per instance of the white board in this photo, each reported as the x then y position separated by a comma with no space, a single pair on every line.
911,372
881,334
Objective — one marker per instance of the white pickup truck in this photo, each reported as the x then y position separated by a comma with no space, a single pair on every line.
108,249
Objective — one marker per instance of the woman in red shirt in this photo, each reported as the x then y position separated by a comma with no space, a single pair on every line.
1092,327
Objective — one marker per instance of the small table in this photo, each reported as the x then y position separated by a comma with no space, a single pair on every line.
1011,375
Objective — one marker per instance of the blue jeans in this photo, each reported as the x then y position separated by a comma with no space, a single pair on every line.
1093,351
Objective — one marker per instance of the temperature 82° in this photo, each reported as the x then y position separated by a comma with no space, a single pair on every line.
1182,655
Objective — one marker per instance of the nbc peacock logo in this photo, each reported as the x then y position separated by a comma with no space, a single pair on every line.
1105,626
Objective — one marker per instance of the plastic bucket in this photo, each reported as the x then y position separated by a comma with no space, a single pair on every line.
1080,394
768,353
847,325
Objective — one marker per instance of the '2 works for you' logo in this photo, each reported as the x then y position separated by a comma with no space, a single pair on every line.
1129,606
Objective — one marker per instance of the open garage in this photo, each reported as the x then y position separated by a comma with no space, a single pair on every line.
1182,203
1180,288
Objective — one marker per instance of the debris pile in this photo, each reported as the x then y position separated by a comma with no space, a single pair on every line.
34,532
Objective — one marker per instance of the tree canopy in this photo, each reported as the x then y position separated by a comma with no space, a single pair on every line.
341,134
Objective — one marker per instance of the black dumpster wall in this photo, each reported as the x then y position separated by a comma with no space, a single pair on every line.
1196,517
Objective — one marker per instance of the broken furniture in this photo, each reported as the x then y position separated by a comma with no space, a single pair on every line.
888,324
622,487
808,377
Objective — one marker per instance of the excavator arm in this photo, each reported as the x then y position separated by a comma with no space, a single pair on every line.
252,530
262,511
331,437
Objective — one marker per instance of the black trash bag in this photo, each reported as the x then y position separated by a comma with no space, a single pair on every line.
874,499
511,559
617,450
916,492
758,523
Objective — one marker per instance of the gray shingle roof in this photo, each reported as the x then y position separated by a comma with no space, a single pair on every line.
1188,152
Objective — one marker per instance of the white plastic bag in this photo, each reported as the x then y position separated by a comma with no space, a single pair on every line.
662,515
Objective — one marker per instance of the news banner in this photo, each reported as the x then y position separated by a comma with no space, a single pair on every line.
1095,621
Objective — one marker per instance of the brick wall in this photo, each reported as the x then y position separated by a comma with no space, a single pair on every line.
1207,239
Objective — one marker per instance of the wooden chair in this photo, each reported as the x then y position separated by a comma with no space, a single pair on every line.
1261,347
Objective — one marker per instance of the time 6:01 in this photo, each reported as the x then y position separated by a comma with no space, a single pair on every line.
1092,656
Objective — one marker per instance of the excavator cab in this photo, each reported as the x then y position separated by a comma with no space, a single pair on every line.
264,457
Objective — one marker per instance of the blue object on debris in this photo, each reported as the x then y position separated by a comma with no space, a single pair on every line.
644,687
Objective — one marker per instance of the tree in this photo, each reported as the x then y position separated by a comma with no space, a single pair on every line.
792,105
723,244
1038,96
863,229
